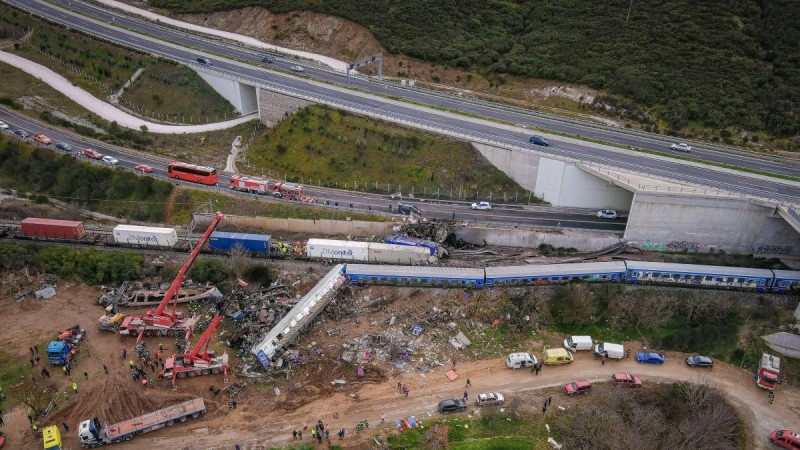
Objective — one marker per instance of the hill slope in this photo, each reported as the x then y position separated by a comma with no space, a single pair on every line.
718,63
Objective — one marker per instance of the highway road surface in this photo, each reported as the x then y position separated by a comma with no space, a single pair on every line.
338,199
186,48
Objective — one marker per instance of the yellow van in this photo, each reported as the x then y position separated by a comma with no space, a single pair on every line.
553,356
52,438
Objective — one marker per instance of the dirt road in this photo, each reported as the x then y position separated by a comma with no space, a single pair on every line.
263,420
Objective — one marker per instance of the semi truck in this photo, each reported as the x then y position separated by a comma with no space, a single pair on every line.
769,371
91,434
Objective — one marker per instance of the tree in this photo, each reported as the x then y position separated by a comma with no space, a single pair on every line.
37,393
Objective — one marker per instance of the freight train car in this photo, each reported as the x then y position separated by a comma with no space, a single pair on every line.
145,236
52,228
252,243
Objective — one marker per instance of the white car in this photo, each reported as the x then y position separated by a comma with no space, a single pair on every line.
298,68
489,398
607,214
482,206
3,125
110,160
681,147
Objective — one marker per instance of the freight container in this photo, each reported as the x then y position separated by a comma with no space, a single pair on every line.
397,254
152,236
52,228
332,249
253,243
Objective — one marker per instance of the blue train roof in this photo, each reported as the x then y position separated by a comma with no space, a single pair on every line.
698,269
787,274
414,271
555,270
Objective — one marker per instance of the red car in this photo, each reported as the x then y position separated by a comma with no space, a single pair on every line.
625,379
578,387
144,168
785,438
90,153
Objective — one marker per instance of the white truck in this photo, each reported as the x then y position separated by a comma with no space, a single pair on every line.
91,434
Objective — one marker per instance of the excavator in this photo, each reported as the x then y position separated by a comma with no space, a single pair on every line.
158,322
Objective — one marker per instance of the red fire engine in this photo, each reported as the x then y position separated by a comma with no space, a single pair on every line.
263,186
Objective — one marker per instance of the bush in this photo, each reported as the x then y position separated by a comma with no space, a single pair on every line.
210,271
88,265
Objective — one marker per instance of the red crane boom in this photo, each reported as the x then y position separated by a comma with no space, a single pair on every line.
158,317
200,350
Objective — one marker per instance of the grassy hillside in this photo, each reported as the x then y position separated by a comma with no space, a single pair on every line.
716,63
327,147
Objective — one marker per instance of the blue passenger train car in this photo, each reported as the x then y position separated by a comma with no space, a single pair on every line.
643,272
360,274
555,273
402,239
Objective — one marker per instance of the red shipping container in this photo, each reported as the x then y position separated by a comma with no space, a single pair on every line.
52,228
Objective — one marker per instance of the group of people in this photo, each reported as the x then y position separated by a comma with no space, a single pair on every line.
401,387
317,432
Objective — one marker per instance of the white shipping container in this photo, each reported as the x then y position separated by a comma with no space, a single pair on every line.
397,254
333,249
154,236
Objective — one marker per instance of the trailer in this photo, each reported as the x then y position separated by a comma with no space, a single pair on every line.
253,243
333,249
52,228
91,434
397,254
149,236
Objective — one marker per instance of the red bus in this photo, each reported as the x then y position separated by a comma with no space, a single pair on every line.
193,173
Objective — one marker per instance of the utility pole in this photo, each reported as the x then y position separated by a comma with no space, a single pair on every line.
629,11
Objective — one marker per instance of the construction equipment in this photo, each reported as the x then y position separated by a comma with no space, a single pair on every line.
65,346
199,361
92,434
112,319
157,322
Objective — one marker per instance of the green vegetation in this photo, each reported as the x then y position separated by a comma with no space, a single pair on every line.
721,258
717,63
164,90
190,200
88,265
110,191
492,432
327,147
12,371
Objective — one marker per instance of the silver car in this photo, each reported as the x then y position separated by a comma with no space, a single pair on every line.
110,160
489,398
298,68
607,214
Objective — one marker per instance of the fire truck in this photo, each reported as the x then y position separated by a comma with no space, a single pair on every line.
263,186
768,371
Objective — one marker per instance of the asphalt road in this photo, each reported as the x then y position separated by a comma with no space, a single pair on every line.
423,116
360,202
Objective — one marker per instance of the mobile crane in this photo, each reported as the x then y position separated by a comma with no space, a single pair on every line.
198,361
157,322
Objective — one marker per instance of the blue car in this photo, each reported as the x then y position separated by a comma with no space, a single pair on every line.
538,140
650,357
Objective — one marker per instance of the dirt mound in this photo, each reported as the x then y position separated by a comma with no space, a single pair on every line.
111,400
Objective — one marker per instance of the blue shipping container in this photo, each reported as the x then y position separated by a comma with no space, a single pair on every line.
253,243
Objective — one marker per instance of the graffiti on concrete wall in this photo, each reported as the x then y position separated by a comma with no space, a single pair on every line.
653,246
685,245
775,249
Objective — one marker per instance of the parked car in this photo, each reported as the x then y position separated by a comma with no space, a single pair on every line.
489,398
538,140
681,147
3,125
22,133
785,439
578,387
205,61
110,160
144,168
42,139
64,147
699,361
268,59
452,405
650,357
625,379
91,153
298,69
607,214
482,206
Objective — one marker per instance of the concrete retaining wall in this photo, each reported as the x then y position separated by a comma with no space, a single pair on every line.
701,224
241,96
583,241
273,107
564,184
518,165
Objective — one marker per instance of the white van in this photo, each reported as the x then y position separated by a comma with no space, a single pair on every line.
575,343
612,351
521,359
